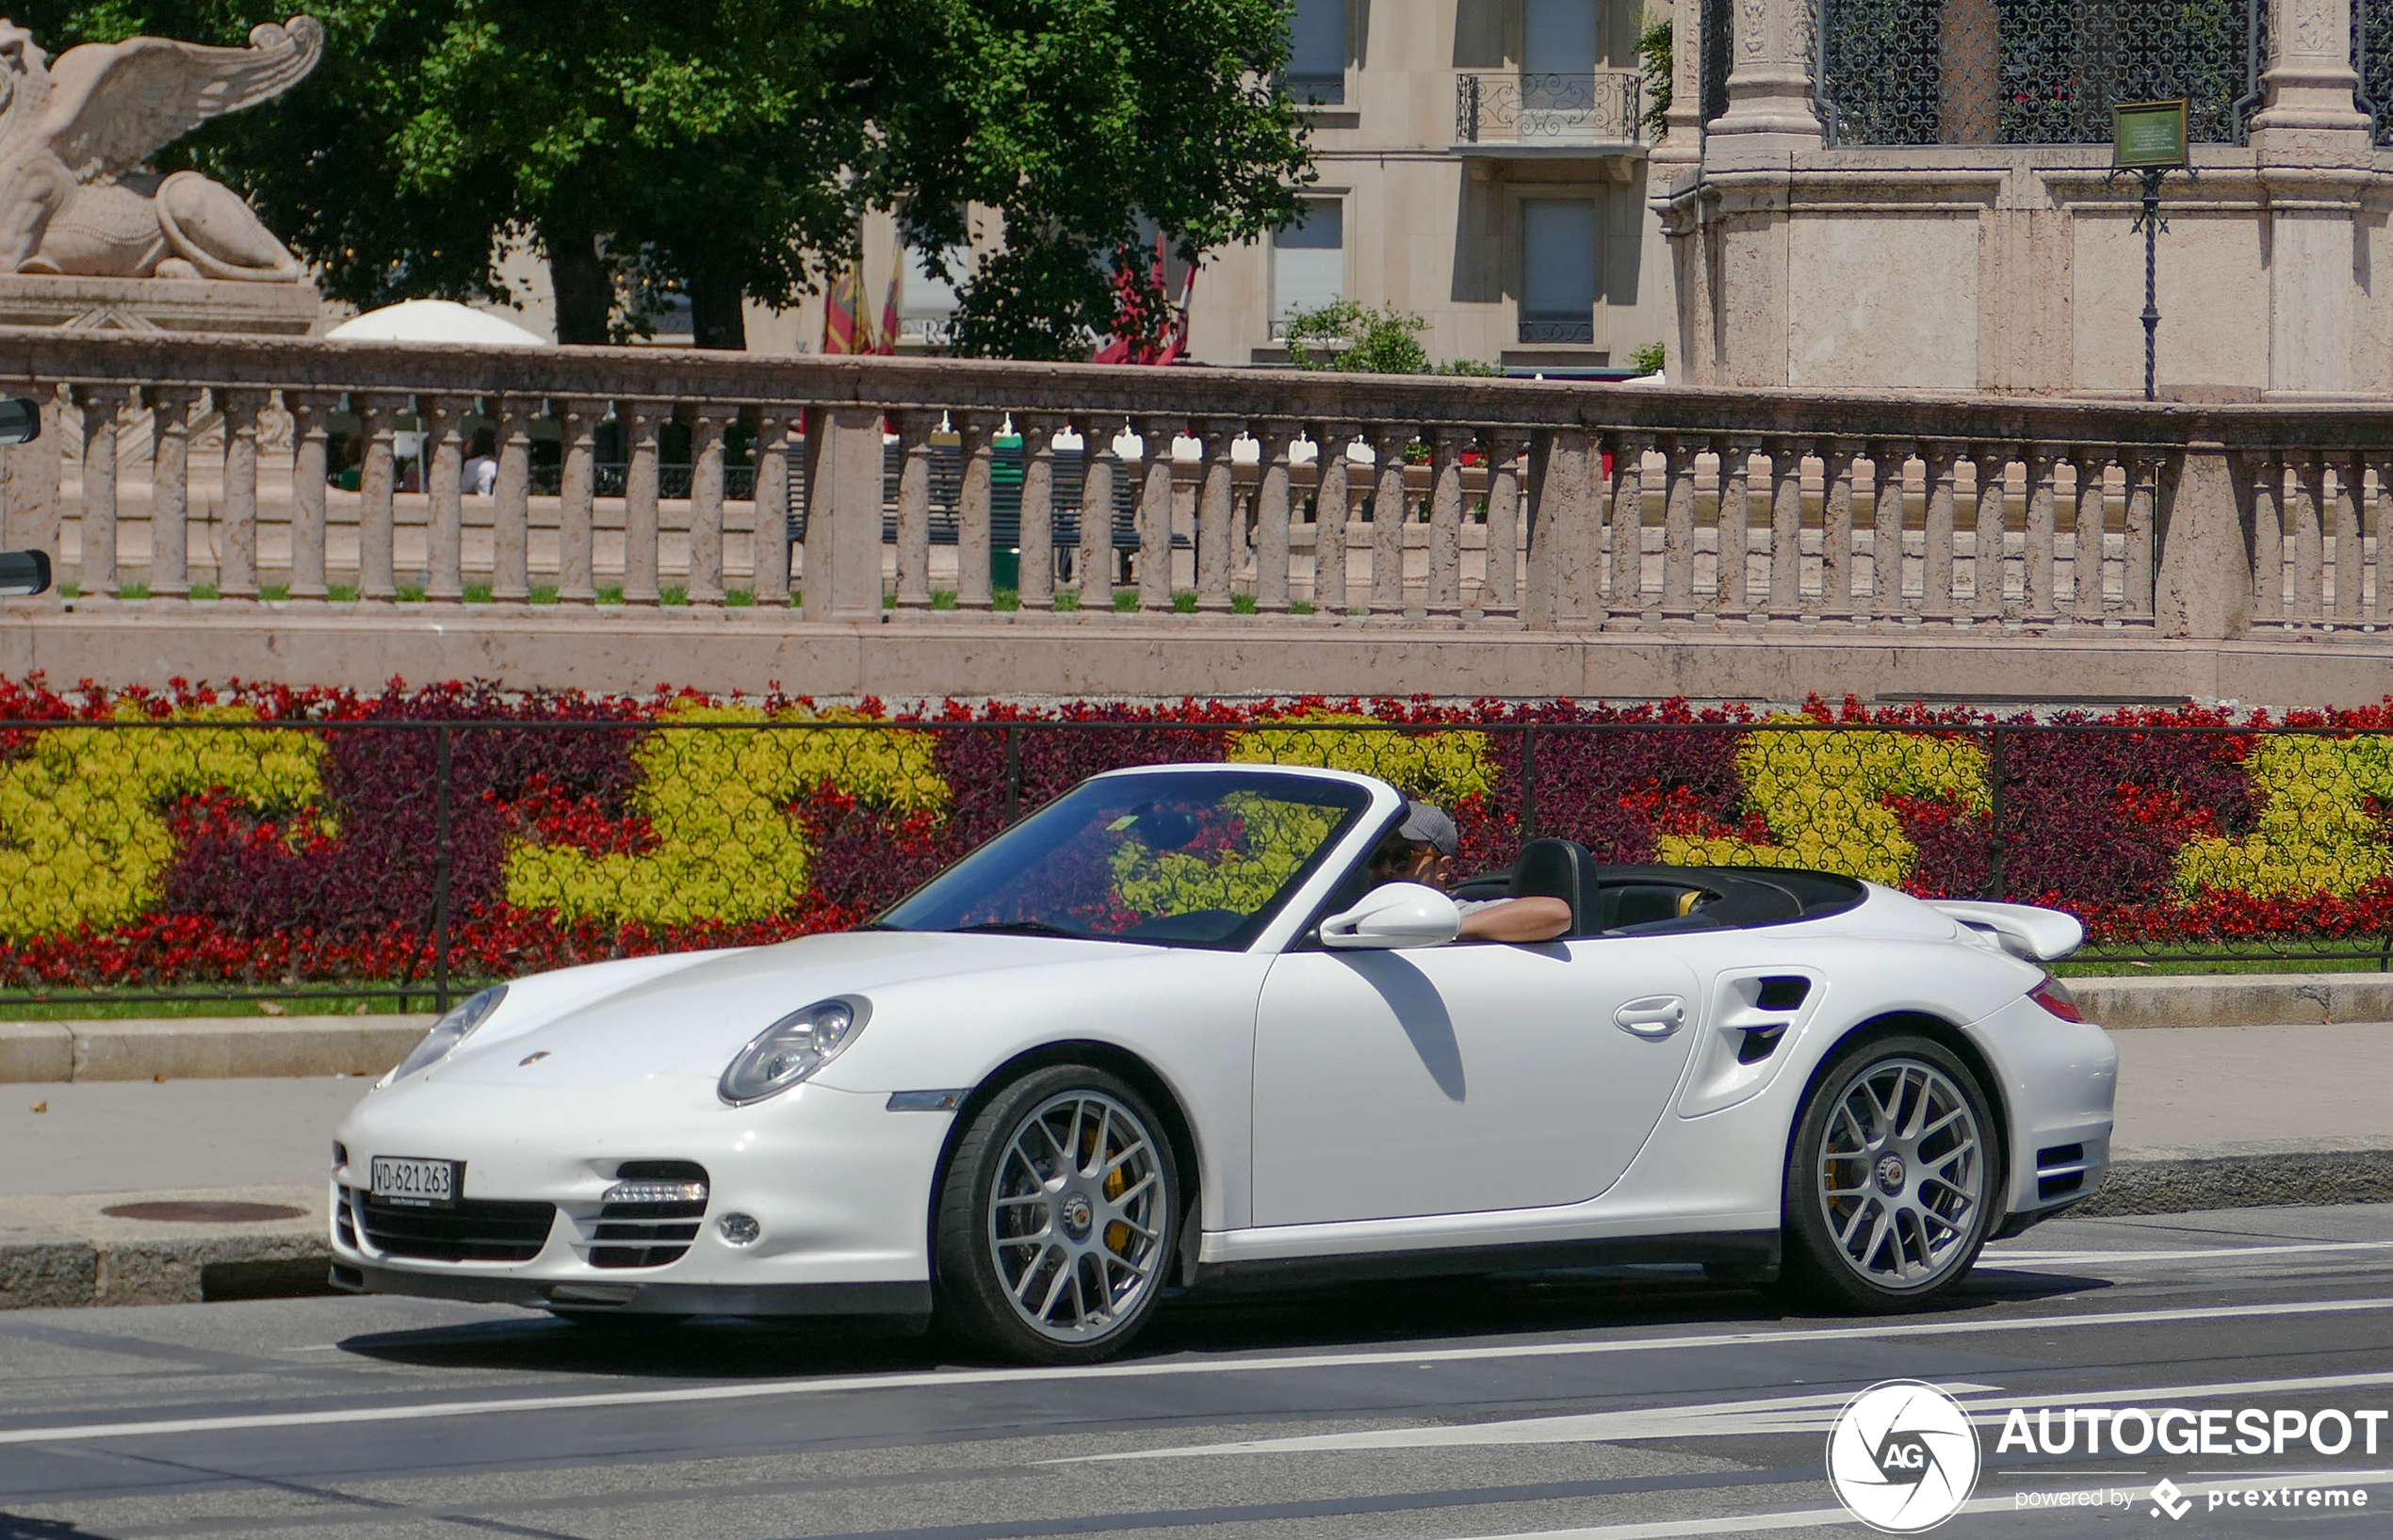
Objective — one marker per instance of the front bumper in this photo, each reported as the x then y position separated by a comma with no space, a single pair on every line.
839,1188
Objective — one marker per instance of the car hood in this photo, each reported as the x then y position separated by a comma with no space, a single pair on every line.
691,1019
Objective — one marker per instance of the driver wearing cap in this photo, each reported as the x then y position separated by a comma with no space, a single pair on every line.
1423,848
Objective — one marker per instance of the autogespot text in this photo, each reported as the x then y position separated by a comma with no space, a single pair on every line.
2178,1430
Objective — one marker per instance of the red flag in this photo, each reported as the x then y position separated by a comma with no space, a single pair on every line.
840,307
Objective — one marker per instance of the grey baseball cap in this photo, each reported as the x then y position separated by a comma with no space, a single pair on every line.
1426,823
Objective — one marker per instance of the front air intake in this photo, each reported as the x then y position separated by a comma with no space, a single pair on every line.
655,1217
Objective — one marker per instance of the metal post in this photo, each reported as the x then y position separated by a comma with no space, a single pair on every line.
1528,783
1013,774
442,857
2150,221
1995,816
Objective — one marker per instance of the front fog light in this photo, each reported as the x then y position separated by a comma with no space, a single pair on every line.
739,1229
655,1192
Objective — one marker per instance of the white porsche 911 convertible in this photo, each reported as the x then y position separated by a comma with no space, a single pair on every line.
1168,1032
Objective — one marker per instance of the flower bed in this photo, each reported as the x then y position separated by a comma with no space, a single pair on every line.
258,836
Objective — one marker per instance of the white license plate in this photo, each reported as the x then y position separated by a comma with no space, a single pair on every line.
418,1184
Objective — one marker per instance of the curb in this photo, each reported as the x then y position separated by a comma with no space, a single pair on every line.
198,1048
2310,1178
2235,999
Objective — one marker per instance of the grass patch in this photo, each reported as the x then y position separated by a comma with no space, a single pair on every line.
1068,602
480,594
888,601
543,593
740,598
17,1006
1125,601
69,591
1300,606
133,591
205,592
2178,961
340,593
1006,598
675,594
1244,603
943,598
273,592
1185,602
409,593
612,595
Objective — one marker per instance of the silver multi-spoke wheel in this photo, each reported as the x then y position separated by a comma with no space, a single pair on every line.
1901,1174
1076,1216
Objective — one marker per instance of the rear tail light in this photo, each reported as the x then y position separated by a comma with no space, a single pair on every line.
2054,996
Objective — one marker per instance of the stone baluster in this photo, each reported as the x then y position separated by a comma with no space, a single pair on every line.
1500,591
236,562
1624,573
2350,580
1037,564
846,476
102,405
310,449
510,502
768,546
914,431
2309,542
376,485
2089,529
1330,497
1215,513
705,582
1787,529
1836,528
2136,561
1388,518
641,421
2044,531
2266,471
577,498
443,469
170,490
1566,527
975,433
1990,532
1936,551
1099,466
1155,435
1274,502
1889,502
1678,526
1734,593
2377,604
1445,595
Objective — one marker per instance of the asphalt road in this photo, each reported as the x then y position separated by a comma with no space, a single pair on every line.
1600,1407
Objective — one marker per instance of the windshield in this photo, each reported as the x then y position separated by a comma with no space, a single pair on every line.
1191,859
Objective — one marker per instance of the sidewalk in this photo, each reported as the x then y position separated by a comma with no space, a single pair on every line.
2209,1117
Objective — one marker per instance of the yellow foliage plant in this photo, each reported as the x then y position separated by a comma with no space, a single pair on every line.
725,847
1445,768
1277,838
84,839
1822,796
2315,833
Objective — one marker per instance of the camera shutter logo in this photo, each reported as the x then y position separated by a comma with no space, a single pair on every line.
1902,1456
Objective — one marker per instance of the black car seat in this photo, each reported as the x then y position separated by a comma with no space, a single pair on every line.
1557,869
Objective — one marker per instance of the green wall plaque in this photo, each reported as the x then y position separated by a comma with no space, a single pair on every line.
2148,135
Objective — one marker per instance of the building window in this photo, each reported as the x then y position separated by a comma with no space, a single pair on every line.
1558,37
1309,261
1317,52
926,304
1557,271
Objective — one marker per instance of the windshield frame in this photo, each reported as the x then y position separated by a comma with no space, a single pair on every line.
1298,897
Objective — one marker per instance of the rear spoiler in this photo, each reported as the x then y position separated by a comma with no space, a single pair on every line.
2041,936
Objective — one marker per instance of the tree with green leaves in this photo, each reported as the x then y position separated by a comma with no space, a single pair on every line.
1356,339
726,150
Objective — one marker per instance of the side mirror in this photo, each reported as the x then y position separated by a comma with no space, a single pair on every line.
22,572
1397,915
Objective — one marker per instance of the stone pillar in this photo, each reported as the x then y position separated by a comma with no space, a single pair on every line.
445,567
914,431
1680,149
1770,84
843,516
1215,505
1273,503
511,516
1035,581
101,406
2204,590
641,421
707,421
310,448
237,564
768,541
170,493
377,477
1097,465
2307,104
974,432
576,500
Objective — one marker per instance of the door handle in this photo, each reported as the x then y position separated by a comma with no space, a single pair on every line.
1654,1016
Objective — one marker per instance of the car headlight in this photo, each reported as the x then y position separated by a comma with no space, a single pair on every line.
793,1049
449,1031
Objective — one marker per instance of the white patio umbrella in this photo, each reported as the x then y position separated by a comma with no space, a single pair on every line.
435,320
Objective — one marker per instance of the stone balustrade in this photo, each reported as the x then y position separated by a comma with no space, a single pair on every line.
1259,497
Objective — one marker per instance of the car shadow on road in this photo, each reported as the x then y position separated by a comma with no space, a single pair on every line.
1328,1317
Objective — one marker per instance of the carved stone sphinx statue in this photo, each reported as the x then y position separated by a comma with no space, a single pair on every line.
76,197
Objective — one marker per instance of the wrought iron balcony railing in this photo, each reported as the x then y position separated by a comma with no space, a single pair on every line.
1602,109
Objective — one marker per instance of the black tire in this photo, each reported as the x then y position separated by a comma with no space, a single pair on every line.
1068,1235
1892,1225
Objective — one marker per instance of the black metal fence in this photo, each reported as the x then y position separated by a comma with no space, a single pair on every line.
221,857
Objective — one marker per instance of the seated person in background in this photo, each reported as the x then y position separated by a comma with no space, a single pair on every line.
1423,848
479,473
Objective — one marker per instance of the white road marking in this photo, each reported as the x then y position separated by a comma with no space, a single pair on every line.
767,1389
1723,1419
1815,1518
2048,1258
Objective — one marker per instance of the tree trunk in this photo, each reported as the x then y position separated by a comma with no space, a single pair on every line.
584,288
718,312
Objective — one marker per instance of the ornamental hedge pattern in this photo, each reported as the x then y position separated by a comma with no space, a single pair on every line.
259,837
